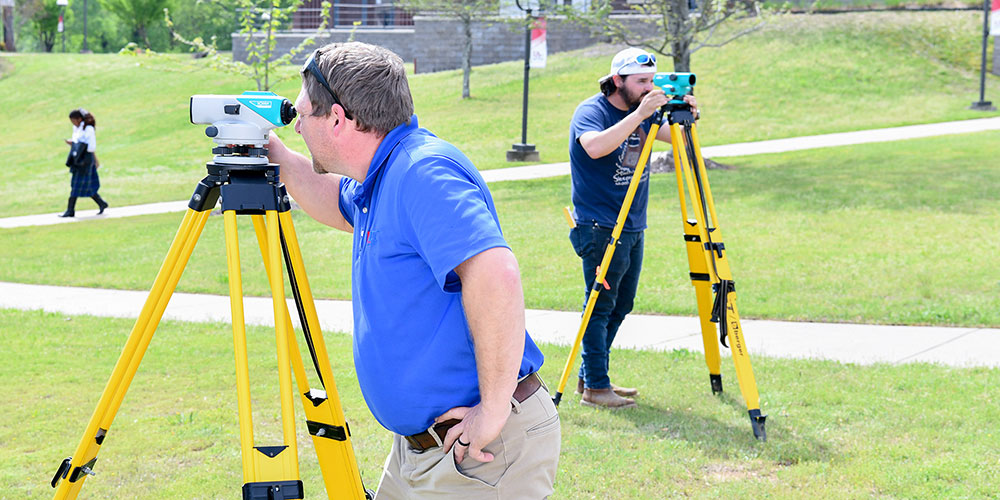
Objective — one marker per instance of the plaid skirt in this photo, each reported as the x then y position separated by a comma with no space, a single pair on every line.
85,181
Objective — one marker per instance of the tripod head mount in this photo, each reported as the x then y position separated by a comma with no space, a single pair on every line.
240,124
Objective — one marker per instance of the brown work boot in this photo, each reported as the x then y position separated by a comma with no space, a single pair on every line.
605,398
625,392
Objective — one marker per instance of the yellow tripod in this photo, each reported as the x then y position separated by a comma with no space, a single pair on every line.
709,268
269,472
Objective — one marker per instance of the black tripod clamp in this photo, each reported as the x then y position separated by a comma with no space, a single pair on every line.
678,112
248,189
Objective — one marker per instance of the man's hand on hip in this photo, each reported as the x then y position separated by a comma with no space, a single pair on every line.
479,426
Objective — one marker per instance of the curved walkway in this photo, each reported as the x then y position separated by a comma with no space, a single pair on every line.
849,343
557,169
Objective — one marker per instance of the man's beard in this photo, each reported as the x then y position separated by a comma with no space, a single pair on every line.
631,100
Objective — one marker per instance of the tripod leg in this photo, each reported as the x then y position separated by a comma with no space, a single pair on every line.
716,262
76,468
700,278
324,414
741,357
281,321
240,345
606,260
703,294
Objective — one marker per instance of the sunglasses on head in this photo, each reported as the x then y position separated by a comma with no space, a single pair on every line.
313,67
644,59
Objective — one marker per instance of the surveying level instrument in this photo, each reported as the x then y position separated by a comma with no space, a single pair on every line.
248,185
707,259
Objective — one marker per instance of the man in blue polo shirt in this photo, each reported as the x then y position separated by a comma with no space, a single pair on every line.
440,348
606,138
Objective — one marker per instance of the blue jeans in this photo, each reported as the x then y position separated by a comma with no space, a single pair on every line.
590,242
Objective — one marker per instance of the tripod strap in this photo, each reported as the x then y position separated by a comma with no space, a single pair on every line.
299,307
720,307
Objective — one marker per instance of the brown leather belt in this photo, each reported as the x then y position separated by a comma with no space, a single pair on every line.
425,441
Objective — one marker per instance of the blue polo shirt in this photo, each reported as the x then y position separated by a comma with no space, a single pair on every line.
422,210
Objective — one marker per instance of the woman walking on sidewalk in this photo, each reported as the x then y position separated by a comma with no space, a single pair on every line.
85,181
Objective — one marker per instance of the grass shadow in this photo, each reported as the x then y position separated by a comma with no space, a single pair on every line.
728,435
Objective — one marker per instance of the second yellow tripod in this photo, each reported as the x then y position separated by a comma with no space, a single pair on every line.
709,267
269,472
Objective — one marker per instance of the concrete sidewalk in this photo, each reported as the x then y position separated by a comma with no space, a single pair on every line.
842,342
849,343
557,169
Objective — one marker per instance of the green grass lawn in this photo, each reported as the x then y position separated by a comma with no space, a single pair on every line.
834,430
894,232
800,75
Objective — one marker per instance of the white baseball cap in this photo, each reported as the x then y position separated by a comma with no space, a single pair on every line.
631,61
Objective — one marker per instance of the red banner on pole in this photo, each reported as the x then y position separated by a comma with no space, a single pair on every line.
995,18
539,49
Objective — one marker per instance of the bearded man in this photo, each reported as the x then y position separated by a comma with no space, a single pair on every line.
605,141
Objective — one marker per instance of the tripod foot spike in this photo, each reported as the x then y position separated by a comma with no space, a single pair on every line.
557,398
757,422
716,381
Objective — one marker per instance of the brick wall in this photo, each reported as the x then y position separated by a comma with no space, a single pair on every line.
995,67
435,43
398,40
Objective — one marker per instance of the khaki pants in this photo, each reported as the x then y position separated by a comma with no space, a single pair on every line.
524,465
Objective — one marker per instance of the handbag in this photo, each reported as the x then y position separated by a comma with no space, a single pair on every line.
78,156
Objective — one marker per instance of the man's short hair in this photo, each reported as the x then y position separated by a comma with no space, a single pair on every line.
370,82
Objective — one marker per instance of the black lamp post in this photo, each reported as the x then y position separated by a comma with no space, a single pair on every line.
84,50
982,104
62,21
524,151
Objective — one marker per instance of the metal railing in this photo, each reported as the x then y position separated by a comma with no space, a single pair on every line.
345,15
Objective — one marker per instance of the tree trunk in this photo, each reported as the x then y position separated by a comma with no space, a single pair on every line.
682,59
466,56
8,29
680,35
48,40
142,35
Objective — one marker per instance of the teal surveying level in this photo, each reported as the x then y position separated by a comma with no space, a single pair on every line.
707,259
248,185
